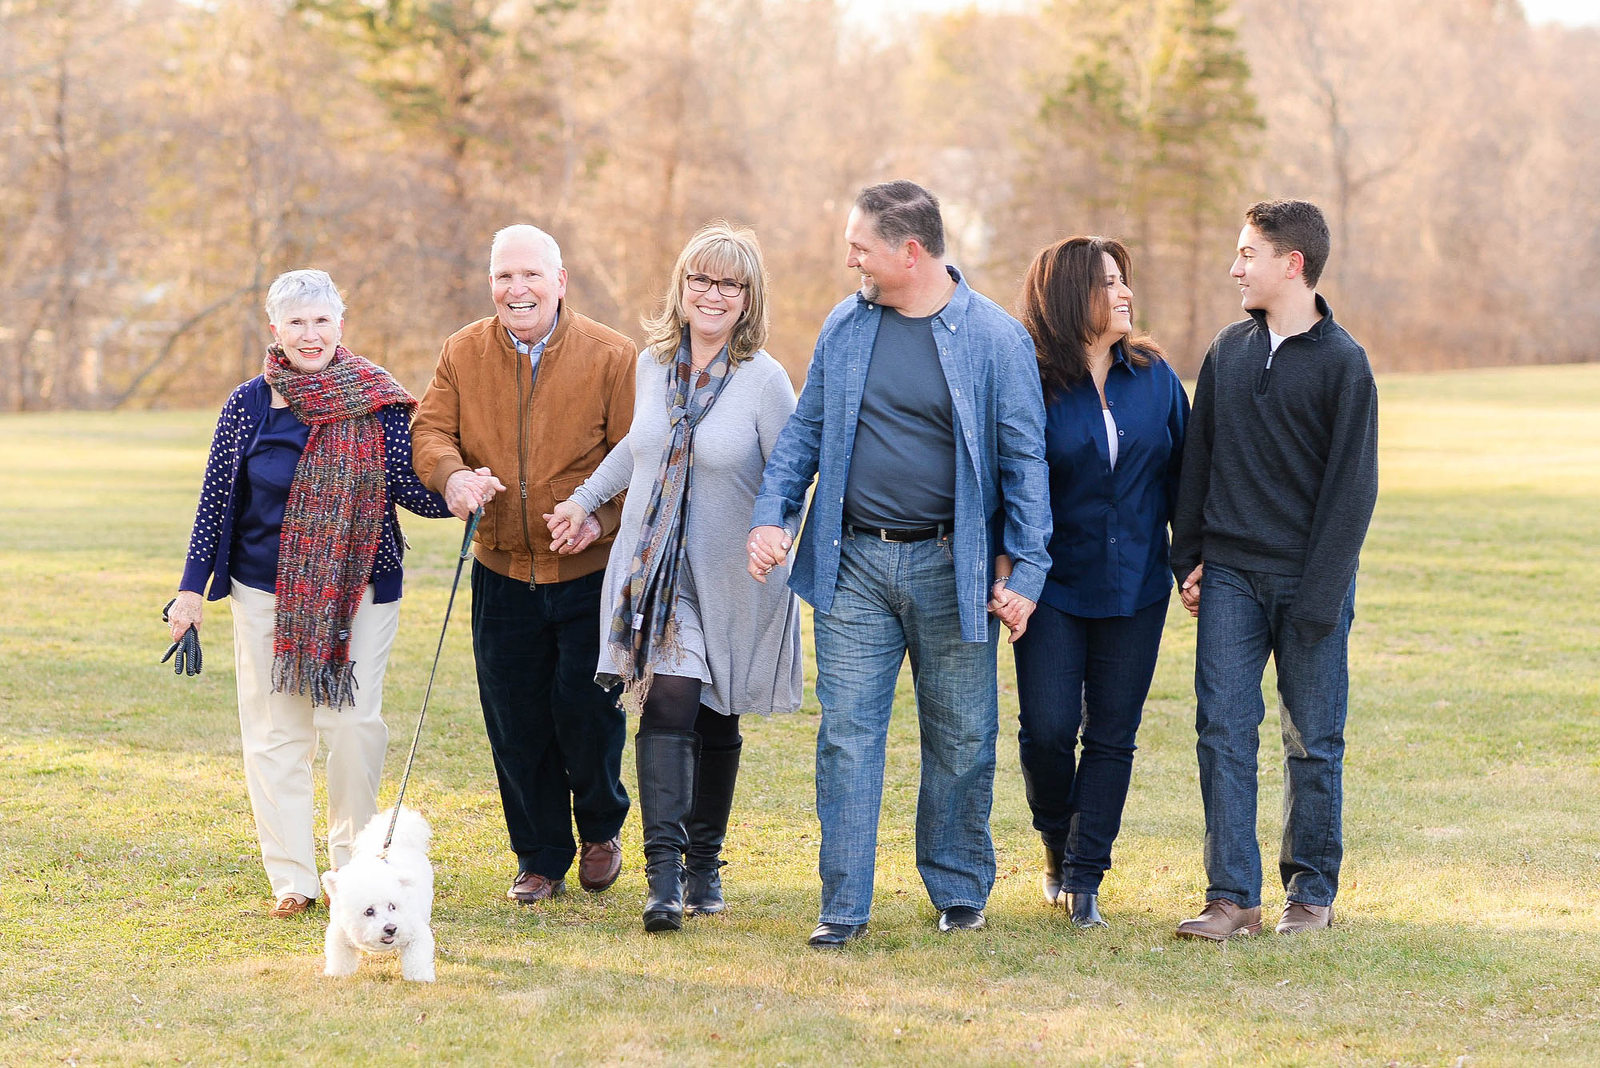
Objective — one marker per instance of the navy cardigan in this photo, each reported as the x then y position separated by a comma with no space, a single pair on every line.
237,427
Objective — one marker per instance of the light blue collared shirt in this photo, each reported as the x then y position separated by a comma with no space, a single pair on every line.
535,350
1001,478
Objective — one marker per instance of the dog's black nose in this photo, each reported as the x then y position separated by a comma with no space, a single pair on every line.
389,929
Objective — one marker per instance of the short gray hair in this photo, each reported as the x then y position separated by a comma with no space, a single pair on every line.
902,211
552,251
292,289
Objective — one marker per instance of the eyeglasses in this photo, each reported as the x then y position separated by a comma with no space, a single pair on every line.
702,283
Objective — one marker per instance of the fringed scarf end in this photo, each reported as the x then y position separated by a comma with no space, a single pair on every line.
330,684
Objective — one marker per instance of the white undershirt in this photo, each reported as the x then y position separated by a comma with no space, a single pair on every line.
1111,436
1277,339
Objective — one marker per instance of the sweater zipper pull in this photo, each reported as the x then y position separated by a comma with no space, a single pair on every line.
1261,383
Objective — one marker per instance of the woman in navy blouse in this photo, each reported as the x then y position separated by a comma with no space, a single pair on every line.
297,526
1114,421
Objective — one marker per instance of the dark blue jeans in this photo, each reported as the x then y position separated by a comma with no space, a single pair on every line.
1082,679
556,735
1244,617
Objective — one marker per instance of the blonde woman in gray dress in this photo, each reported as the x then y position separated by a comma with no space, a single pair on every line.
695,643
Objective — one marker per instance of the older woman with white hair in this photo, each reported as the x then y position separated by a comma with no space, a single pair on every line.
694,642
297,527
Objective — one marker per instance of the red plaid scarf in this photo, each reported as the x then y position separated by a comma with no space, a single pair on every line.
331,521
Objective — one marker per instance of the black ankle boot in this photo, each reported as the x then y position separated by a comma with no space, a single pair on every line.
666,762
1084,910
707,827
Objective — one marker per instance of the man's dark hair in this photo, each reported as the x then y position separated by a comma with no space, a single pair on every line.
1294,226
901,211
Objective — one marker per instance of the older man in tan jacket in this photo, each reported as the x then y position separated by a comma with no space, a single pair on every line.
534,397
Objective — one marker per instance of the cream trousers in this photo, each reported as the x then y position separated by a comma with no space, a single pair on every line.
280,733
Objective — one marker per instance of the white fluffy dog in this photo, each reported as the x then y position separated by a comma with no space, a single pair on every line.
383,904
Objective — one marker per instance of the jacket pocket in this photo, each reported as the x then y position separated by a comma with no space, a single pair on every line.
496,514
563,488
542,499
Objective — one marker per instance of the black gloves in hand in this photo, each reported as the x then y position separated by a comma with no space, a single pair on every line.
187,648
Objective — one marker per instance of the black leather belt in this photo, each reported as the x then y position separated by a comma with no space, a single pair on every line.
909,534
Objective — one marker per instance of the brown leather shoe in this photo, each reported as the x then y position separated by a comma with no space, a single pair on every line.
1221,920
599,864
1299,916
531,888
290,905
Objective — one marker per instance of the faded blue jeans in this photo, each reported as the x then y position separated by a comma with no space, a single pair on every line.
893,600
1244,617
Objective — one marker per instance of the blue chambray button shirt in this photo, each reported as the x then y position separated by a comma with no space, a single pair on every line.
1001,479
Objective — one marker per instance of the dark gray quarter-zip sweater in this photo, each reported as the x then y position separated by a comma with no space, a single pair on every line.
1280,465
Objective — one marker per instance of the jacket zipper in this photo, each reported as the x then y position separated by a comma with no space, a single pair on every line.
522,463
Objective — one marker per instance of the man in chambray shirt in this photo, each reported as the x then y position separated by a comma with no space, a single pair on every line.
922,422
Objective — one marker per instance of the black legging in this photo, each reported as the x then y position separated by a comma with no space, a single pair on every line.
674,705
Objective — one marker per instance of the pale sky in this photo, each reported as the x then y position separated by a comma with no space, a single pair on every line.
1570,12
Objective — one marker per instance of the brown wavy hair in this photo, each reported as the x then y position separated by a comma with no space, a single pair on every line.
1064,307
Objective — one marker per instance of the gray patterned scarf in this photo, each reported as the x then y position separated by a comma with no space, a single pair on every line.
643,625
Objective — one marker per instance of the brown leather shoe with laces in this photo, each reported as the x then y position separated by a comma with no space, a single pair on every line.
531,888
599,864
290,905
1299,917
1221,920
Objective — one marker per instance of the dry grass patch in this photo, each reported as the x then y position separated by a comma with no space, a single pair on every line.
131,901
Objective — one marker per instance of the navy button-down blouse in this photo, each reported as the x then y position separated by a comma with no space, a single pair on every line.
1108,548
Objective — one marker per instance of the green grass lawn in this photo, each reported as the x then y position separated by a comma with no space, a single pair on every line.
132,903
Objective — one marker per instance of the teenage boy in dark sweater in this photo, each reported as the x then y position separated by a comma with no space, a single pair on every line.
1280,474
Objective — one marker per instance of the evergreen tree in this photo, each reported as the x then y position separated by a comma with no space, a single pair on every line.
1147,128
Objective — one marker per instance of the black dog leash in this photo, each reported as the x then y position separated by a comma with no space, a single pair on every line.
466,548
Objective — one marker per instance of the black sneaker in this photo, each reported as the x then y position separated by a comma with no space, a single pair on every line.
835,935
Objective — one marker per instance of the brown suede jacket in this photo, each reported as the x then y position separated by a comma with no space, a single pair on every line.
478,412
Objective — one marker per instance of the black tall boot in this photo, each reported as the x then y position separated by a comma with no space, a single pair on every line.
666,761
1051,883
708,826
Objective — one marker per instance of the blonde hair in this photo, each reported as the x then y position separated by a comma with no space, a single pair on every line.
721,251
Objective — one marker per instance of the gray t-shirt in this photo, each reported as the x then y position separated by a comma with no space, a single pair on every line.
903,466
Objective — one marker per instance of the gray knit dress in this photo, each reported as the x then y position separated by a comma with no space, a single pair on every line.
739,637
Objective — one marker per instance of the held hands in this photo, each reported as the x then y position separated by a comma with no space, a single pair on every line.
467,491
1189,591
769,547
572,530
1010,607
